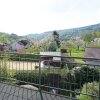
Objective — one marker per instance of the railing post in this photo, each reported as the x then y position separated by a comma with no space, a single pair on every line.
99,87
40,79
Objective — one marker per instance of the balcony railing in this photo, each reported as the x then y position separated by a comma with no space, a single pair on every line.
70,78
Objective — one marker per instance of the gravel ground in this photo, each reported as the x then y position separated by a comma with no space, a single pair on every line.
21,65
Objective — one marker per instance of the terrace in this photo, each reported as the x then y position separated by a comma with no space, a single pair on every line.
20,79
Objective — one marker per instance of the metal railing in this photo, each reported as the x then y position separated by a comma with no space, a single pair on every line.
70,78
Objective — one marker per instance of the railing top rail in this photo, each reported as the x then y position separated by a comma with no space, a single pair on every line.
83,58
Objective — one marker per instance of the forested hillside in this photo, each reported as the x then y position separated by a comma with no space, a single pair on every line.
67,33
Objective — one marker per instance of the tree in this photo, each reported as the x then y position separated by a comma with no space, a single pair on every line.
4,39
51,43
56,38
52,46
45,43
79,43
88,37
33,49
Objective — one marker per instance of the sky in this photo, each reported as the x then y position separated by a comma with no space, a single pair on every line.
36,16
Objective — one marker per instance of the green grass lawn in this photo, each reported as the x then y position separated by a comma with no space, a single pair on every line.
79,53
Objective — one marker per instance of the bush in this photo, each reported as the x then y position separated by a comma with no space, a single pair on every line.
70,79
92,89
4,74
85,74
24,57
75,78
31,76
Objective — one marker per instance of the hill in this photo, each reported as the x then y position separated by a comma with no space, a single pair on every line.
39,36
64,34
67,33
8,38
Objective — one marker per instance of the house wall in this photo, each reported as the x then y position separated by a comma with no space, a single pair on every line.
15,45
1,48
52,59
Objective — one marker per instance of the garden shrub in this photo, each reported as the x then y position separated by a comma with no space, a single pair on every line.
4,73
75,78
85,74
92,89
31,76
70,79
24,57
68,83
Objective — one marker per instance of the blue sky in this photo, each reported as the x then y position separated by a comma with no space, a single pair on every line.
35,16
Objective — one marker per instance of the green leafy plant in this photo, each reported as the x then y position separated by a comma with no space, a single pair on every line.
4,67
89,91
70,79
85,74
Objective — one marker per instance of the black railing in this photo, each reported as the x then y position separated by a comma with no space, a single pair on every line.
69,78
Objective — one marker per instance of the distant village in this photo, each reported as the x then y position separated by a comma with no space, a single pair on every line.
18,46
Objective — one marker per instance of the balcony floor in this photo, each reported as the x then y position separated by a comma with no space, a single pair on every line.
12,92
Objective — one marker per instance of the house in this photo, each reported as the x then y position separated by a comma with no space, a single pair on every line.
1,47
25,43
50,59
21,45
17,47
4,47
92,53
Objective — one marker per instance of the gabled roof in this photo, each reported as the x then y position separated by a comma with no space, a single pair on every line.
23,42
92,52
52,54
